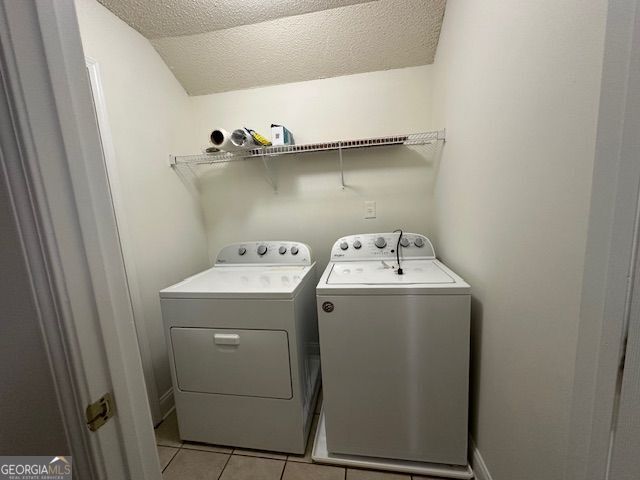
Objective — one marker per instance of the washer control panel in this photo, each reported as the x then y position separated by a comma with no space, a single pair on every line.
370,246
264,253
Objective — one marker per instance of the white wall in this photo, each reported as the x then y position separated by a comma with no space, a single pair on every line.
149,116
310,205
517,88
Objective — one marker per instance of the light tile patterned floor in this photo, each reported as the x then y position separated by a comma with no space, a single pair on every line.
198,461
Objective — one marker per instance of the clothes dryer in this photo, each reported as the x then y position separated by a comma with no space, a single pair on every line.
243,347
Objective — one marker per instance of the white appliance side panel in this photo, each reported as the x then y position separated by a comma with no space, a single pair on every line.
395,372
232,361
306,358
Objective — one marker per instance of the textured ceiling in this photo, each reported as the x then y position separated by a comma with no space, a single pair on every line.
171,18
220,45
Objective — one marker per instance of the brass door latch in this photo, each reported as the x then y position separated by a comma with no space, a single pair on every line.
100,411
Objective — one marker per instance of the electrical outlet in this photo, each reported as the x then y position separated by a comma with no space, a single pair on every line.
369,209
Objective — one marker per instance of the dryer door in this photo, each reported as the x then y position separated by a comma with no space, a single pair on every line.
252,363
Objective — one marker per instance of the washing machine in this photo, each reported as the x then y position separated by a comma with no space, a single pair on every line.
243,347
394,341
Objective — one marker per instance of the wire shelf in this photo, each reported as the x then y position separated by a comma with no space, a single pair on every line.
339,145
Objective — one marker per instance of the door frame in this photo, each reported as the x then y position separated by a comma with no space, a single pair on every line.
611,242
124,235
53,164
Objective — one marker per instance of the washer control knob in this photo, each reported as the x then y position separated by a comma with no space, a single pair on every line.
380,242
344,246
262,249
418,242
242,251
294,250
404,241
282,250
357,244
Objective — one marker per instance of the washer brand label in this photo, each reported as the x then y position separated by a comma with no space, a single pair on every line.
327,307
35,468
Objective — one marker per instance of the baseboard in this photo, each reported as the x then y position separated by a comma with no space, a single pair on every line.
477,462
167,403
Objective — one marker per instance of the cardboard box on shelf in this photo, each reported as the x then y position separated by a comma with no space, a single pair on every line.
280,135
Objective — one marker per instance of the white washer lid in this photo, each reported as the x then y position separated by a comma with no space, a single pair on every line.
271,281
384,273
373,277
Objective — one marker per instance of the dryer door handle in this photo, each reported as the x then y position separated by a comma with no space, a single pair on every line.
226,339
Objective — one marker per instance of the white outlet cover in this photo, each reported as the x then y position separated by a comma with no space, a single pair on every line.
369,209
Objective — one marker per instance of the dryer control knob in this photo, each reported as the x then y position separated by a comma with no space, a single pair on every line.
262,249
242,251
418,242
380,242
294,250
357,244
282,250
404,241
344,246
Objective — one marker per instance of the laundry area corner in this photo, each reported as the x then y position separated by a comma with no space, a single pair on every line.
354,232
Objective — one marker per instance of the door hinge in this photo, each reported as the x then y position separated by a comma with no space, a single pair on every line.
100,411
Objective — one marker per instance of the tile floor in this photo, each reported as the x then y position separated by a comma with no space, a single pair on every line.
197,461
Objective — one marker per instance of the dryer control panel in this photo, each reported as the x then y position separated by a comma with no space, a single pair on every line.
265,252
377,246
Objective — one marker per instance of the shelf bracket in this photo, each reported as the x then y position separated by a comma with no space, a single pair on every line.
270,175
341,166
